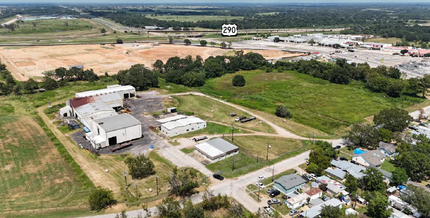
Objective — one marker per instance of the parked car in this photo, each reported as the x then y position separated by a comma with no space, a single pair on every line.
338,147
261,185
275,193
261,178
422,124
428,185
218,176
293,212
413,127
343,158
354,162
273,201
270,190
196,139
232,114
268,210
307,161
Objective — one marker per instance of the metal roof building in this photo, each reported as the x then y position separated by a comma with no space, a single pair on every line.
338,173
123,91
216,149
316,210
180,124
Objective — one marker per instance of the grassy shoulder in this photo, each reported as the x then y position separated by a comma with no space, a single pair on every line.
313,102
48,26
253,157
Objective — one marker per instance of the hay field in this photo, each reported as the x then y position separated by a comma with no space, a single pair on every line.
31,62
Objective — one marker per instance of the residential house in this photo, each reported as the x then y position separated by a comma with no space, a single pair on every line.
289,183
297,201
333,186
373,158
398,214
314,193
388,149
352,169
336,173
316,210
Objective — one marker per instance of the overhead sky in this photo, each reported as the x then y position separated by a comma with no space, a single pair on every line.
209,1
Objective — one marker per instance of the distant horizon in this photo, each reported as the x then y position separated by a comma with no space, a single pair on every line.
212,2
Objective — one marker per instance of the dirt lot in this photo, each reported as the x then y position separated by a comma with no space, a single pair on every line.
31,62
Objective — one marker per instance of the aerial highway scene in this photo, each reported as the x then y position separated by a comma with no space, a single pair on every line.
213,109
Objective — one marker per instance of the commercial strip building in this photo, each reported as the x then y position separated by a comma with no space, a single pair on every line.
216,149
180,124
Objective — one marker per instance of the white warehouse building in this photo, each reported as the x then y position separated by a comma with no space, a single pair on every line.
123,91
114,130
180,124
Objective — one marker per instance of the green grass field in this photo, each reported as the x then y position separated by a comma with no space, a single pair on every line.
212,129
49,26
193,18
246,160
33,173
202,107
313,102
388,166
384,40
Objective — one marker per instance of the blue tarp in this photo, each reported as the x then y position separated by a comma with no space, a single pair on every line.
401,187
359,151
86,129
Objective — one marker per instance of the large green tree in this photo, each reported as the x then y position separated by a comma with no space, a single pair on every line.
238,80
169,208
138,76
351,184
393,119
373,181
331,212
100,198
281,111
140,166
378,206
399,177
193,211
183,181
419,198
362,135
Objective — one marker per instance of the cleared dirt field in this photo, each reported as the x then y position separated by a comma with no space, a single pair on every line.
31,62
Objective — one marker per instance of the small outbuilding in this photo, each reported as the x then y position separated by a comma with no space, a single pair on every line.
216,149
180,124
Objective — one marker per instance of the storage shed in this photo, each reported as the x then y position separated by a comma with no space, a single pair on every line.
114,130
180,124
216,149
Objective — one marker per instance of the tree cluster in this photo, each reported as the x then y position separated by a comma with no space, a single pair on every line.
183,181
320,157
193,73
100,198
139,77
140,166
415,159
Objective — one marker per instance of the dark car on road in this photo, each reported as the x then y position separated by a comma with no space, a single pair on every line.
275,193
218,176
337,147
343,158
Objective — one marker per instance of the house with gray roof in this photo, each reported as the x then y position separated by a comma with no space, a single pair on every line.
373,158
387,149
315,211
289,183
336,173
352,169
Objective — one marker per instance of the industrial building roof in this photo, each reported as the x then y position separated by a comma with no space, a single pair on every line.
216,147
99,98
92,108
290,181
168,119
117,122
109,89
182,122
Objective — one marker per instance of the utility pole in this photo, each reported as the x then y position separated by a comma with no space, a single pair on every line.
137,195
258,194
232,133
156,181
267,154
125,178
232,168
273,172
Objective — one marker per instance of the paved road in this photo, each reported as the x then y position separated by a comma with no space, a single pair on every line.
235,187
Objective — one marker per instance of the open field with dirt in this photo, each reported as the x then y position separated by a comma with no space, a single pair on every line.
31,62
34,174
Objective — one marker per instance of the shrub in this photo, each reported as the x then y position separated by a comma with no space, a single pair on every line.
239,80
282,111
100,198
140,166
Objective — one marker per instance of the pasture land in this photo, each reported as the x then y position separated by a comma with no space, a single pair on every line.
391,40
252,154
35,171
194,18
211,110
213,129
313,102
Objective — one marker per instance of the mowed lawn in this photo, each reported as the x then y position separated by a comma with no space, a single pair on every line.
211,110
313,102
33,174
213,129
253,151
193,18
